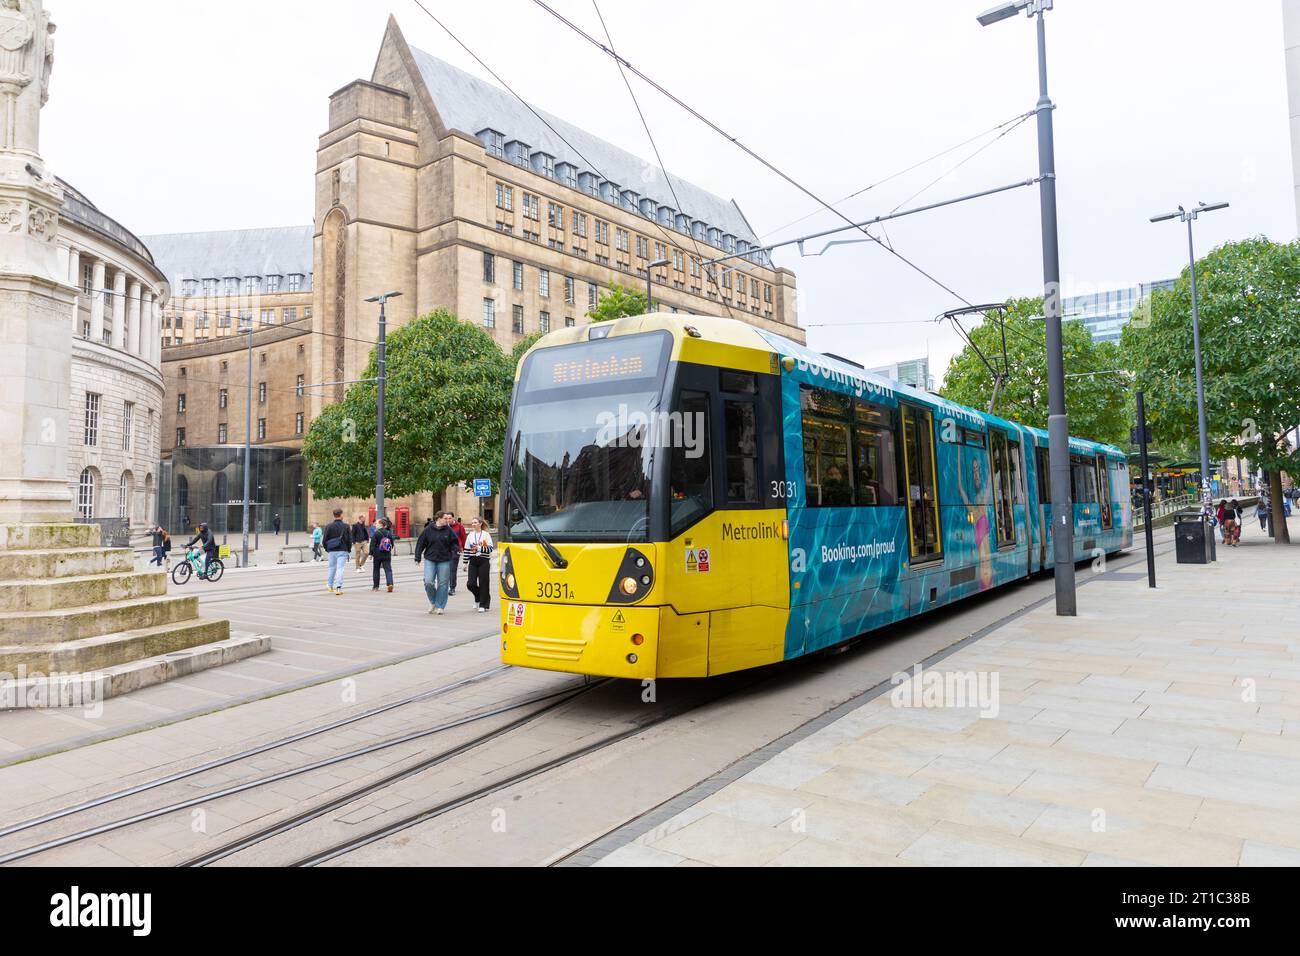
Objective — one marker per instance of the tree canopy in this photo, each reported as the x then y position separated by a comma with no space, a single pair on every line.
1249,304
1097,404
446,402
618,302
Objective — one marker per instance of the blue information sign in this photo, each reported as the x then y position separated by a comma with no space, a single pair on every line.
482,488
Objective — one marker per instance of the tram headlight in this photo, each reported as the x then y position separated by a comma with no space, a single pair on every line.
510,581
634,579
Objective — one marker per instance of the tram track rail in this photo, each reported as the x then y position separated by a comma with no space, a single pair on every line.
563,694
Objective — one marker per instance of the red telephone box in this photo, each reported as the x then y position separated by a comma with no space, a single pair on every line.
371,520
401,521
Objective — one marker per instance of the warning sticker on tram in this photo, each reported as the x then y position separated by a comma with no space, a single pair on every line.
619,622
697,560
515,613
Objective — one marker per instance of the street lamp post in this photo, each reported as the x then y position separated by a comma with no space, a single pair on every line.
248,441
379,404
1057,423
1187,216
649,271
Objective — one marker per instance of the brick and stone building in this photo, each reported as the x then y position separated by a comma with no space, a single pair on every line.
448,189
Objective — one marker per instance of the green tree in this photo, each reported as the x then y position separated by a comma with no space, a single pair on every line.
618,302
446,401
1098,404
1249,298
522,346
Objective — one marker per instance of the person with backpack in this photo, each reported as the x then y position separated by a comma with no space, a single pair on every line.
437,549
360,538
210,547
381,553
338,545
478,550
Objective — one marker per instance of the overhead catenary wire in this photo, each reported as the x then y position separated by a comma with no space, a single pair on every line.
547,123
746,149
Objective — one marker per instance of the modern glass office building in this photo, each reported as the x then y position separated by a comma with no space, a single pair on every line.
207,484
1106,313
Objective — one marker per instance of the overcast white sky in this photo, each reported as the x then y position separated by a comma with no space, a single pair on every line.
178,115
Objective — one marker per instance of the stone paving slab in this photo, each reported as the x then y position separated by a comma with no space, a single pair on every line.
1156,728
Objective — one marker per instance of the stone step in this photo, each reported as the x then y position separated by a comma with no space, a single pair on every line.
109,650
88,690
63,563
42,537
49,594
47,627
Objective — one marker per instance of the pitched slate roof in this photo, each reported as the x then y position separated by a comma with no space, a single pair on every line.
471,105
281,251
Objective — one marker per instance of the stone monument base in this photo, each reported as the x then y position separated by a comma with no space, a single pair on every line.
78,623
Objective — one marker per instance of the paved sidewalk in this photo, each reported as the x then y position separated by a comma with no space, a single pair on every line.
1156,728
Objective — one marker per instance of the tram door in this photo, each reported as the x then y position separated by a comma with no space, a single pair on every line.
922,484
1103,493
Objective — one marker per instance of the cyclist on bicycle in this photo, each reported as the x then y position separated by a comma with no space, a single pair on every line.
210,548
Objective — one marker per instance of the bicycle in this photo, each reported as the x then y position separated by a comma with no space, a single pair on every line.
193,564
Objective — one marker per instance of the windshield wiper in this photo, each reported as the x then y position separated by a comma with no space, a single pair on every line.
557,559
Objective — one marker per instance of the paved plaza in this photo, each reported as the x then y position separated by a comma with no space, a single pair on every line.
1156,728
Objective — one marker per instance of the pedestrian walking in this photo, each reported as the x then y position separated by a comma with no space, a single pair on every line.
437,549
458,530
338,545
381,553
275,523
1222,516
1261,512
315,541
360,541
162,543
1232,524
478,561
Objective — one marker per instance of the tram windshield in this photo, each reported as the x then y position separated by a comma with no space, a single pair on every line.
582,438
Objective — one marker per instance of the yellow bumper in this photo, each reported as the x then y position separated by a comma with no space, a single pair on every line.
581,639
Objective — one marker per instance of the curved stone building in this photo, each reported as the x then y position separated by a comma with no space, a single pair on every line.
117,386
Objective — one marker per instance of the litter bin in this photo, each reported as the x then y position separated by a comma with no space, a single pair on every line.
1193,537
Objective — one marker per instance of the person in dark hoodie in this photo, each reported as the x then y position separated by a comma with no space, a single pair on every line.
210,547
360,538
338,545
437,548
381,553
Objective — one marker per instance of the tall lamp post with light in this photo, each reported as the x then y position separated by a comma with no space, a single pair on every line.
649,272
381,362
1057,425
1188,216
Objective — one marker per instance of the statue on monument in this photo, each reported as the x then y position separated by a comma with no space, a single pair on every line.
26,54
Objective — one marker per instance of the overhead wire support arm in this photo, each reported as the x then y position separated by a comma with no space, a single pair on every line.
999,376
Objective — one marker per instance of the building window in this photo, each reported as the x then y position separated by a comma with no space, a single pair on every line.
489,267
272,283
86,495
568,289
91,437
517,319
297,423
544,321
544,283
245,321
301,383
521,154
124,490
261,429
580,224
180,402
505,197
592,295
261,393
555,215
180,438
295,282
489,313
532,207
568,321
221,433
250,285
517,275
128,424
268,316
223,397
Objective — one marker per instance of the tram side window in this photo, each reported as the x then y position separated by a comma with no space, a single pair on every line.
922,483
1043,465
742,451
827,477
690,478
1103,487
1017,484
1002,507
875,472
1083,480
